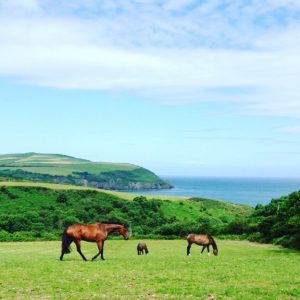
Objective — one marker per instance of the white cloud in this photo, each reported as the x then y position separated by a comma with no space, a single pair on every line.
19,6
198,55
294,129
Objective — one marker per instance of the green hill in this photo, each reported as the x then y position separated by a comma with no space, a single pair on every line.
36,212
277,222
57,168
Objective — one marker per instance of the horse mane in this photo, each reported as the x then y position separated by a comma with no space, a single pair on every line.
213,242
114,223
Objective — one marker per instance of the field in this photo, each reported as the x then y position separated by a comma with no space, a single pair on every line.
57,168
56,164
242,270
55,186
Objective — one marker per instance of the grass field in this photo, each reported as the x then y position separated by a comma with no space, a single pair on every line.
57,164
243,270
55,186
57,168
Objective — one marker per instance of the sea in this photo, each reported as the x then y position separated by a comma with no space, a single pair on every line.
250,191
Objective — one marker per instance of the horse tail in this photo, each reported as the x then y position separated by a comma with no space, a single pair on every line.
65,242
190,237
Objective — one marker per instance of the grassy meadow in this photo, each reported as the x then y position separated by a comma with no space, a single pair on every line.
57,168
57,164
66,187
242,270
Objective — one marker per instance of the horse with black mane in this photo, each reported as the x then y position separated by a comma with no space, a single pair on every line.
141,247
201,240
96,233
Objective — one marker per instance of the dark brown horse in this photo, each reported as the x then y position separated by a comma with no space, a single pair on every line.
97,233
201,240
141,247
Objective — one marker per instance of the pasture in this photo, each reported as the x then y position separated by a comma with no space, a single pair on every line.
243,270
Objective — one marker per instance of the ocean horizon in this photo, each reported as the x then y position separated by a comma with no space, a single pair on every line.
250,191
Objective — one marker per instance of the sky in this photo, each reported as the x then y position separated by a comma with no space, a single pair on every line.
181,87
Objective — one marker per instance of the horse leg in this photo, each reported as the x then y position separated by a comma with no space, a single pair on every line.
64,251
62,255
188,249
65,244
96,255
100,248
203,249
77,242
208,250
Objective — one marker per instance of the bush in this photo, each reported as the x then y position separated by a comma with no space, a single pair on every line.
4,236
62,198
255,237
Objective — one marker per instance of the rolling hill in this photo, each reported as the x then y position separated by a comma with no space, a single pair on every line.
57,168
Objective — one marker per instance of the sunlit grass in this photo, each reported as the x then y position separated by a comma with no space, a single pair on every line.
243,270
55,186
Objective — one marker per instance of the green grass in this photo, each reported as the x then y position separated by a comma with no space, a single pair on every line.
243,270
54,186
57,164
52,167
64,169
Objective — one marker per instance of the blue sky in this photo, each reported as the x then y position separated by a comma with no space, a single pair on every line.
182,87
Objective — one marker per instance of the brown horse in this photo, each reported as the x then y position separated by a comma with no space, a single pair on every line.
141,247
201,240
97,233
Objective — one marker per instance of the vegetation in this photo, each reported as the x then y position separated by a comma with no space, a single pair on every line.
242,270
64,169
278,222
41,212
29,213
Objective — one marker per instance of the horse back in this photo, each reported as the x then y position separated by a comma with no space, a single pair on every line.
141,246
86,232
199,239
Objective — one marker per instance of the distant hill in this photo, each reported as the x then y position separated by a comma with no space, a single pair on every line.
58,168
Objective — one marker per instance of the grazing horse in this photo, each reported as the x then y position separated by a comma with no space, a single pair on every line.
97,233
141,247
201,240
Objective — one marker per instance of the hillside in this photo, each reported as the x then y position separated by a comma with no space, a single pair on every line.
28,213
57,168
277,222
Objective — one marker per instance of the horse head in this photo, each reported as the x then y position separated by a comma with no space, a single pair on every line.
123,232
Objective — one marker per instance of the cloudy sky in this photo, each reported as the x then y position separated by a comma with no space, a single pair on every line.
182,87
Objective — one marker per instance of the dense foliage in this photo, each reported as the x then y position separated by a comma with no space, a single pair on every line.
278,222
28,213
